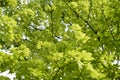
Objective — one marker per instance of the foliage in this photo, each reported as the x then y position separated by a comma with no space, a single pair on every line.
4,78
60,39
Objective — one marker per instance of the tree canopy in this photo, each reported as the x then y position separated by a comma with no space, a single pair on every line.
60,39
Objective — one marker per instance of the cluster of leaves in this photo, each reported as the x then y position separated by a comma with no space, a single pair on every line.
60,39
